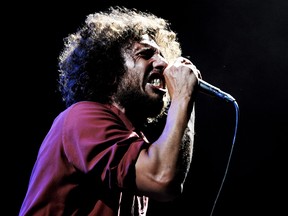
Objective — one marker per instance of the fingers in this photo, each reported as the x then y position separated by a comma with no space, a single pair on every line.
182,61
181,77
187,62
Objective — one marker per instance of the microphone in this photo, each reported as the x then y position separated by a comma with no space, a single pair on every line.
211,90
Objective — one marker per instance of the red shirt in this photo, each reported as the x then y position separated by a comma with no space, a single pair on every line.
86,165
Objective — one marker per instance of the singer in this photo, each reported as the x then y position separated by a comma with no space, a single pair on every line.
126,135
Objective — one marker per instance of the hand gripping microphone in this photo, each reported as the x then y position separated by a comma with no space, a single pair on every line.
211,90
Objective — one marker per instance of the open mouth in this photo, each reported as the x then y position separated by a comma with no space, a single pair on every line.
156,80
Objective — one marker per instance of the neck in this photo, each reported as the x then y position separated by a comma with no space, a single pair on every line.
136,118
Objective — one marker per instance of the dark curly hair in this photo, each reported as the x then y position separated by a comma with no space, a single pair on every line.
91,62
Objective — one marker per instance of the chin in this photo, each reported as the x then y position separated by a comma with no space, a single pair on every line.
155,109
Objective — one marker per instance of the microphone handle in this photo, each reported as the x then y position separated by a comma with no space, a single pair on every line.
211,90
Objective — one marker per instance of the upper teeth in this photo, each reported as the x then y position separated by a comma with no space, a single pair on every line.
156,82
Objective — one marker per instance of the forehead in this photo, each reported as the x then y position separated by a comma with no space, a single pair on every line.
147,41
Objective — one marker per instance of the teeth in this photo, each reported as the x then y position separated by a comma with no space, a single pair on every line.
156,82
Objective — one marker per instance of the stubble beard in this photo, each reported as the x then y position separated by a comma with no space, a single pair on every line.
139,106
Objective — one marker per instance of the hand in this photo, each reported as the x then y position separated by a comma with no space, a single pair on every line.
181,78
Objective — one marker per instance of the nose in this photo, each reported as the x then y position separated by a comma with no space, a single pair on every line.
160,62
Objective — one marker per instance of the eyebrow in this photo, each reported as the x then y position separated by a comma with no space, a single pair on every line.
144,46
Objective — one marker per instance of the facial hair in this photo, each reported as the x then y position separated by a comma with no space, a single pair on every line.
138,105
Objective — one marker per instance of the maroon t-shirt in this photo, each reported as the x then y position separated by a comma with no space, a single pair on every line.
86,165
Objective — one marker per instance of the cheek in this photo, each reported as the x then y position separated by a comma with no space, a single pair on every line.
136,73
136,81
131,81
130,64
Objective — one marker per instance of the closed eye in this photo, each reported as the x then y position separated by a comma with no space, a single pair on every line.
146,53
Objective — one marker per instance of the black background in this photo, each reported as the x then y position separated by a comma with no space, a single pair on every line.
240,46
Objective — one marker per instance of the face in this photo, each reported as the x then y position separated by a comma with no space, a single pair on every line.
140,92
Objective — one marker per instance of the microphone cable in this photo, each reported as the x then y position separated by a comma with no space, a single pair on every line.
229,158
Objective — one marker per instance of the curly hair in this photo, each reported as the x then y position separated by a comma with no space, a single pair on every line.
92,63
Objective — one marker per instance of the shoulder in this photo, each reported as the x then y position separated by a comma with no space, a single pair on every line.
85,112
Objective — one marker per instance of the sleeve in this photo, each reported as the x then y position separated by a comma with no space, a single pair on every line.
97,142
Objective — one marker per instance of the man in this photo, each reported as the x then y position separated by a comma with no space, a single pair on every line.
126,135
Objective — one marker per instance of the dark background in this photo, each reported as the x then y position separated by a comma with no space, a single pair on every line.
240,46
